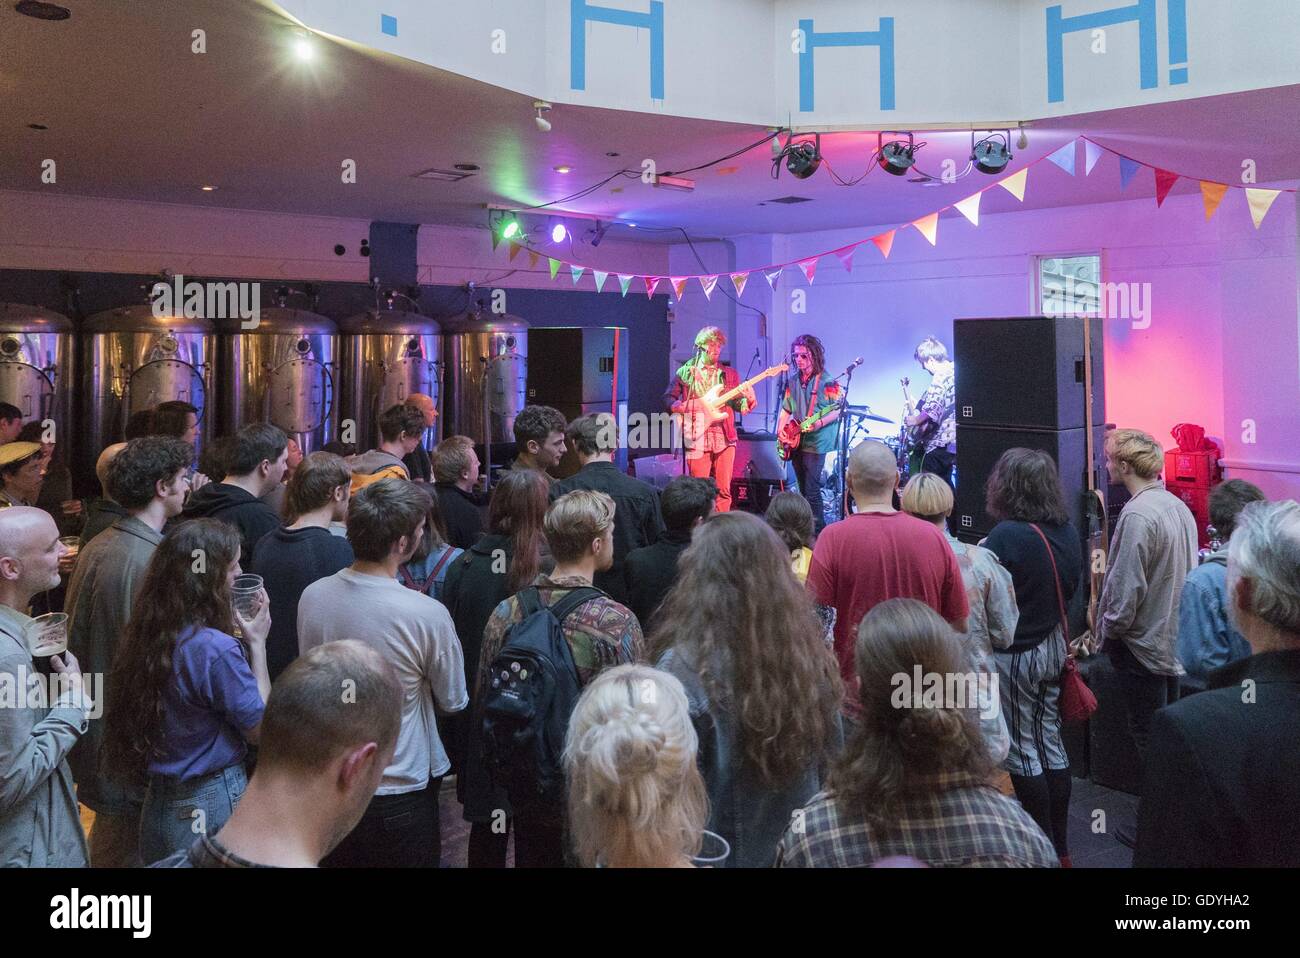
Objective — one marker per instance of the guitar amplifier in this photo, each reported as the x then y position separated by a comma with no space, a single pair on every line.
753,494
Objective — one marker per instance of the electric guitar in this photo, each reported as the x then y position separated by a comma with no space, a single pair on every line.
703,411
914,438
790,437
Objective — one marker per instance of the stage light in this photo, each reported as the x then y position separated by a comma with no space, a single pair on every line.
990,155
558,233
895,157
543,124
563,168
303,46
802,159
598,233
511,230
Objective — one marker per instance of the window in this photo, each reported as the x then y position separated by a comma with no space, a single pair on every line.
1069,285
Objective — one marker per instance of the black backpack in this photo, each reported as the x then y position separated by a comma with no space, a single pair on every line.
531,693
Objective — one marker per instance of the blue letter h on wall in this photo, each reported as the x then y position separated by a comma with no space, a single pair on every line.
1144,12
581,12
882,38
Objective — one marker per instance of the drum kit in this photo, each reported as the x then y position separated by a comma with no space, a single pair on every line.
857,429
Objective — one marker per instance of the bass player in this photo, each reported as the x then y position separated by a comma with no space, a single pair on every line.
936,413
711,448
808,426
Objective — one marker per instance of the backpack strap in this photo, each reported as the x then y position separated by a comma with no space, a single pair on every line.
562,609
530,601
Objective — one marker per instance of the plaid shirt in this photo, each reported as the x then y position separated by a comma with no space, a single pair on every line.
954,820
600,632
206,852
940,404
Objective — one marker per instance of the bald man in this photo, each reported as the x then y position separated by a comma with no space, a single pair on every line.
102,512
880,553
39,825
418,463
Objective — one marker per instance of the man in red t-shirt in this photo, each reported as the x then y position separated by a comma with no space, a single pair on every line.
880,553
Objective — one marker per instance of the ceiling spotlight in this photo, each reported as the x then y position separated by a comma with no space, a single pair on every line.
511,229
599,232
1023,142
207,189
895,157
303,47
563,168
558,233
803,158
543,124
991,154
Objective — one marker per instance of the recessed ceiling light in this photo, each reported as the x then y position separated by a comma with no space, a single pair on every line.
207,189
727,170
42,11
468,167
562,168
612,153
37,126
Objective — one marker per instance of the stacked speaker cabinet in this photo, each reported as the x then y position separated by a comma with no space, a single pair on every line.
1020,382
580,370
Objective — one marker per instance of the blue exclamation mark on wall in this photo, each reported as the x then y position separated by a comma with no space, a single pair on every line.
1177,10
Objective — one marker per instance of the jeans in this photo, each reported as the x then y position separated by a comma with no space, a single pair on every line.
175,813
719,466
808,468
397,831
940,461
1144,693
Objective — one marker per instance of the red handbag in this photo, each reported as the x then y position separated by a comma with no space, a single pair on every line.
1077,701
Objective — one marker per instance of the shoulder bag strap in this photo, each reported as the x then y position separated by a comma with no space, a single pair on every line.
1056,577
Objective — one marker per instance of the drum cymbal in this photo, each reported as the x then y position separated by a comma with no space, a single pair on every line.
864,412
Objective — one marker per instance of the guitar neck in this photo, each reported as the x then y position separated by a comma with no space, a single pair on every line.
735,391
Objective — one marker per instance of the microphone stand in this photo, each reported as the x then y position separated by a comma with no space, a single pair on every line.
842,463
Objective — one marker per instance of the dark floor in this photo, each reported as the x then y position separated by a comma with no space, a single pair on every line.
1089,804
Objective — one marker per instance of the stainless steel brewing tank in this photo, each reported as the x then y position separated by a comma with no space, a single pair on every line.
133,360
36,367
282,371
385,356
487,357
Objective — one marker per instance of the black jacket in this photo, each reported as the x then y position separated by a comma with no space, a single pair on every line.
243,510
1222,780
648,574
419,465
461,514
637,521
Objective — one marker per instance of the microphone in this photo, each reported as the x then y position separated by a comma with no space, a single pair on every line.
852,366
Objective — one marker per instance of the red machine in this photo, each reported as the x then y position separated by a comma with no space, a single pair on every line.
1191,471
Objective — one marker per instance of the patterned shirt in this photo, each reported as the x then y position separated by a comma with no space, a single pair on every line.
206,852
952,820
600,632
940,404
803,399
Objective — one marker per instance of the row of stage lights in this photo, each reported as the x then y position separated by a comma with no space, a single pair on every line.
989,155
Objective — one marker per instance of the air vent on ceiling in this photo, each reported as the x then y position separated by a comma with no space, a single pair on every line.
442,176
792,199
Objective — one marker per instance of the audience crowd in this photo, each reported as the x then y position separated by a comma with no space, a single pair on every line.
276,659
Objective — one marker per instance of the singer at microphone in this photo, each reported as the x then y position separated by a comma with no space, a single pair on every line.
808,425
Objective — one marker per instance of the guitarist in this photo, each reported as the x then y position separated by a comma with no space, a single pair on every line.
936,413
710,451
808,426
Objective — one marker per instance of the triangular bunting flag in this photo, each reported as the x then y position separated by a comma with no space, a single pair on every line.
1127,168
1015,183
577,272
1091,154
1165,181
845,253
772,276
600,278
1211,195
555,266
624,282
532,259
652,284
679,285
707,283
739,280
970,207
809,267
928,225
514,251
1260,201
1064,157
884,242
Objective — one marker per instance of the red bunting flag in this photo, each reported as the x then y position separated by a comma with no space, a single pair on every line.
884,242
652,284
845,253
809,267
679,285
1165,181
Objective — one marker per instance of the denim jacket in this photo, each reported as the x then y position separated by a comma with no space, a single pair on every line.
750,814
1206,638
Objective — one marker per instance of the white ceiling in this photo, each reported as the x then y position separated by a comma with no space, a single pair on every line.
133,113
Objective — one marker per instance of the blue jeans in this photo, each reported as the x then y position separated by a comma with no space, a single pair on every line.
808,468
176,813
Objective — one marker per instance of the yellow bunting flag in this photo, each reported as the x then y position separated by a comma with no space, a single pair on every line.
1211,195
928,225
1015,184
514,251
1260,201
679,285
970,207
739,280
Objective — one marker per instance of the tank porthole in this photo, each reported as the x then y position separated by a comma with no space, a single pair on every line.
9,346
303,346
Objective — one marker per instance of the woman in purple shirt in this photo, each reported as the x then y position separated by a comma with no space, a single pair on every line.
188,695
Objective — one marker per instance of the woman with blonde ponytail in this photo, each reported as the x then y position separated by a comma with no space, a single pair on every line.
636,798
913,778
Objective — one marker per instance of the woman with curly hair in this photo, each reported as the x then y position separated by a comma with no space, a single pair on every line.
741,634
187,695
914,777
